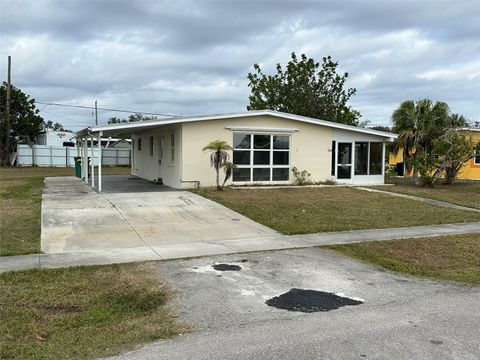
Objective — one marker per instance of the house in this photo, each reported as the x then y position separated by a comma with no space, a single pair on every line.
266,145
471,170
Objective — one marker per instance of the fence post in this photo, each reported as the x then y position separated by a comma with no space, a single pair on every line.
66,156
51,156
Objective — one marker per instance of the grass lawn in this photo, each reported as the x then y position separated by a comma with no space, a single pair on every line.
20,204
454,258
460,193
83,312
310,210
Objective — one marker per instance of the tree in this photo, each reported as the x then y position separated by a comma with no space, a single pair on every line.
54,126
454,150
219,156
25,123
304,88
131,118
418,124
228,169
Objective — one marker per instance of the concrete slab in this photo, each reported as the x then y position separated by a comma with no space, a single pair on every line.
76,218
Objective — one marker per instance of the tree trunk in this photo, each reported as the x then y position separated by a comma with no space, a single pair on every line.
218,179
415,171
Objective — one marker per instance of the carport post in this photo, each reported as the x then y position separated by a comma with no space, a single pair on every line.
93,161
100,133
85,160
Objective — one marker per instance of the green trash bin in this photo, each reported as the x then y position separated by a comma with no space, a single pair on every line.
78,167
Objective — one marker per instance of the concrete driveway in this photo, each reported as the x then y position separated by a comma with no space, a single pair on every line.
402,317
133,213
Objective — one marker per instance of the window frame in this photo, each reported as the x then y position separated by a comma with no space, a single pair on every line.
270,150
476,159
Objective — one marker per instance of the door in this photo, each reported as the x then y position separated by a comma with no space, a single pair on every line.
344,161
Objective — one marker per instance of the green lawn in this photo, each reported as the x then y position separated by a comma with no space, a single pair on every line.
311,210
82,313
460,193
20,205
454,258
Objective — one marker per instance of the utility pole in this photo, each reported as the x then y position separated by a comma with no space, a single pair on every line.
96,114
6,153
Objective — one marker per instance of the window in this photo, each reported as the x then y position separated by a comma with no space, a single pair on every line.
150,143
361,158
476,159
376,158
139,144
261,157
333,158
172,147
368,158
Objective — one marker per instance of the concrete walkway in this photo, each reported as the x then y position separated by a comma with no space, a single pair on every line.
419,198
220,247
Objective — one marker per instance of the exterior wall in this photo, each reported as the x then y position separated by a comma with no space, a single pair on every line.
471,170
346,136
309,146
158,166
55,138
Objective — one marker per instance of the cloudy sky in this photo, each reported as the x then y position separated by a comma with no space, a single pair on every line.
192,57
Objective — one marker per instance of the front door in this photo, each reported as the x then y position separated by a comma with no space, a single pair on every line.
344,161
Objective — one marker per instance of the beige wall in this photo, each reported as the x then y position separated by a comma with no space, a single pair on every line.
153,167
309,148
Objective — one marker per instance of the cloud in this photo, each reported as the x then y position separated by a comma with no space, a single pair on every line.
192,57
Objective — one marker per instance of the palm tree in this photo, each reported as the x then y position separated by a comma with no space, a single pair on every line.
218,157
228,169
418,124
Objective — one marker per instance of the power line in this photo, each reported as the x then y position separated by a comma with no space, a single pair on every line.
104,109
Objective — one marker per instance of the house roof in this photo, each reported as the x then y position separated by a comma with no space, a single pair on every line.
142,125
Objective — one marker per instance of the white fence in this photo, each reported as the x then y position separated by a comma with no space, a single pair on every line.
62,156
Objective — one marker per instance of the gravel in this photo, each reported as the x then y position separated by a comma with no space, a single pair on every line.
309,301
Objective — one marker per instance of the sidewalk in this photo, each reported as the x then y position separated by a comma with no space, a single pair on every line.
419,198
205,248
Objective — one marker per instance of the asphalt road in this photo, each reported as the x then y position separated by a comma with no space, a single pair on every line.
401,318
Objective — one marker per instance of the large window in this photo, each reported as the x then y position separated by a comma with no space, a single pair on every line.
361,158
376,158
261,157
476,159
368,158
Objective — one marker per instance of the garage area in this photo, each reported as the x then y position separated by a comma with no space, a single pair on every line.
132,212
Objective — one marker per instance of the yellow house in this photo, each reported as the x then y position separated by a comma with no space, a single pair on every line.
471,170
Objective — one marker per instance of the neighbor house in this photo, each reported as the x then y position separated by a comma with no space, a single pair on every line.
266,146
470,171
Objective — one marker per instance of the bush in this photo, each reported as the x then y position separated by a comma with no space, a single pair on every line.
301,177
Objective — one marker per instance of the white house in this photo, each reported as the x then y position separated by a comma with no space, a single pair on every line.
266,145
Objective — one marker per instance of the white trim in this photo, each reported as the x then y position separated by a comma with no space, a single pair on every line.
152,123
261,129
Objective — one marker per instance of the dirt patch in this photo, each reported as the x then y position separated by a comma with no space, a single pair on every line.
227,267
310,301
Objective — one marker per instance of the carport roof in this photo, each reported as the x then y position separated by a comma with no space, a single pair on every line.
127,128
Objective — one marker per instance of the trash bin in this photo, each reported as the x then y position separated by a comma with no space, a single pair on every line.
78,166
